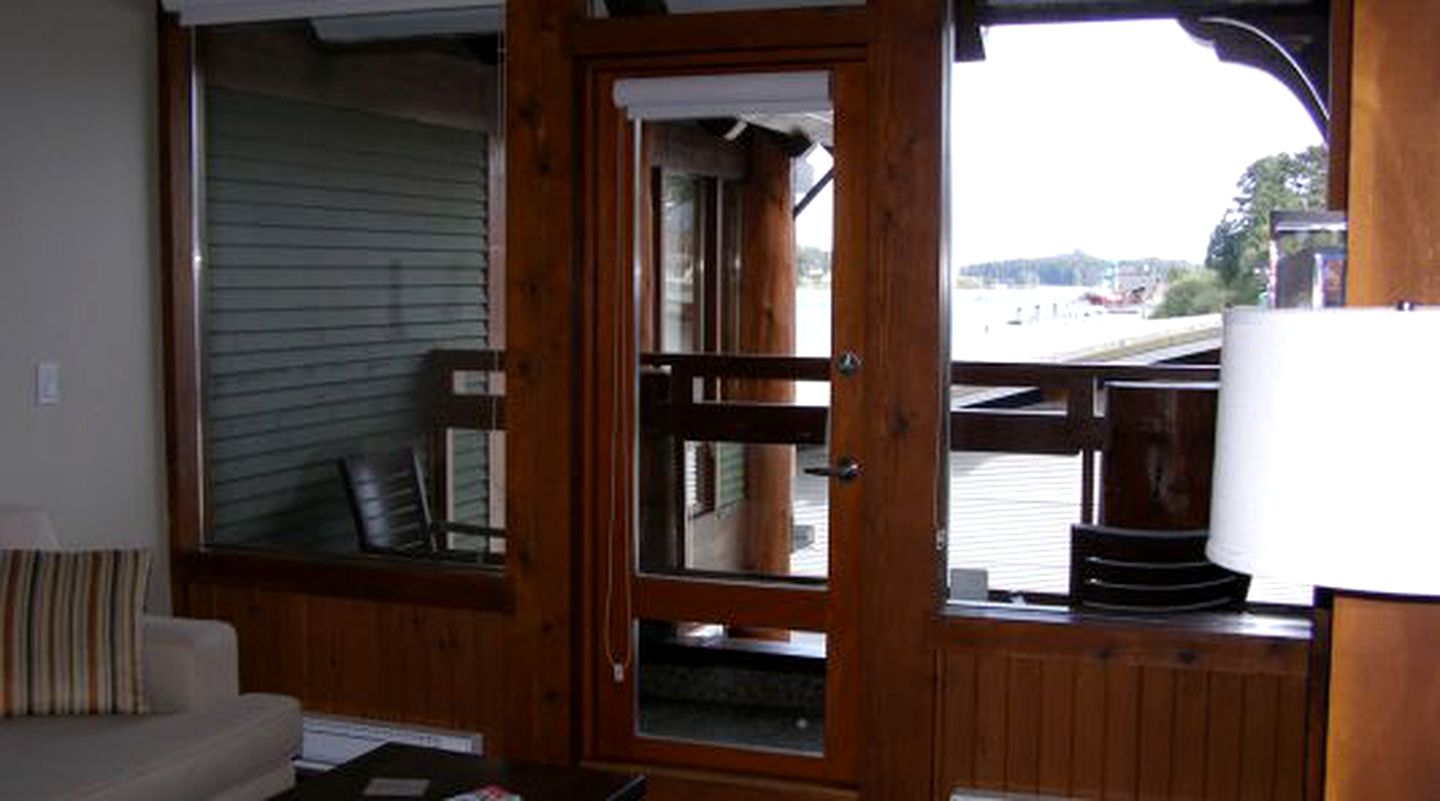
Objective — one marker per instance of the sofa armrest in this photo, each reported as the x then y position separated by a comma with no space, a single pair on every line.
189,664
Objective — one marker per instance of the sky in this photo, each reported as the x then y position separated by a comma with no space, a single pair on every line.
1121,139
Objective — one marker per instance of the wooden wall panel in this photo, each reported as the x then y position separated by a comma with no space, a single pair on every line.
1086,726
1394,183
390,661
1384,699
1057,688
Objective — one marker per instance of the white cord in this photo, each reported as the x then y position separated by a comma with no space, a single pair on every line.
618,667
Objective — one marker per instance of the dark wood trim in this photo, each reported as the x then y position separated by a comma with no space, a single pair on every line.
1069,374
1236,643
1342,16
1317,692
1022,432
371,578
697,33
179,295
751,422
733,603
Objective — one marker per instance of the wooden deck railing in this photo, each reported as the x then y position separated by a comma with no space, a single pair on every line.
450,409
1004,422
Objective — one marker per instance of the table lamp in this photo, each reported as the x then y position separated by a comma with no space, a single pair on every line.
1327,436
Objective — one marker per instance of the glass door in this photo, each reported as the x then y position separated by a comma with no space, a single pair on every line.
721,551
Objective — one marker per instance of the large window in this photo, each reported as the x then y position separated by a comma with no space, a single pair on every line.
1110,187
350,289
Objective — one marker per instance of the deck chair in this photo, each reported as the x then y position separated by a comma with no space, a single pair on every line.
392,514
1130,570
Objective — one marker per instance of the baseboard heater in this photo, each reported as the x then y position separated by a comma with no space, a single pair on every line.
329,740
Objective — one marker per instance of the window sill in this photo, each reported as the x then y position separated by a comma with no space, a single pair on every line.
378,578
1248,642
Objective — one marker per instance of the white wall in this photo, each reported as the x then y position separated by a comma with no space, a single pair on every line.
78,254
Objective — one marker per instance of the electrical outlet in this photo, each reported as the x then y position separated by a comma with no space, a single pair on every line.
47,383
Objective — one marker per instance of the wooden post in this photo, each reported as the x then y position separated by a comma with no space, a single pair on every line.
1158,456
767,308
540,380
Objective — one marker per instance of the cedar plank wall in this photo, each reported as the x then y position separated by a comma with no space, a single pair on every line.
1101,724
374,659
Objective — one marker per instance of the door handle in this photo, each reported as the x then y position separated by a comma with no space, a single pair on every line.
845,469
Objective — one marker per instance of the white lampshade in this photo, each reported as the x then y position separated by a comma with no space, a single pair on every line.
1326,448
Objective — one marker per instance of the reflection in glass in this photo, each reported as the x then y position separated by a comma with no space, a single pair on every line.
733,517
738,229
699,683
346,234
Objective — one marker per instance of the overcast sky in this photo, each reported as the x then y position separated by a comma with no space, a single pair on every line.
1121,139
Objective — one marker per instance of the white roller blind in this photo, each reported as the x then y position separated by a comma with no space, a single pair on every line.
215,12
697,96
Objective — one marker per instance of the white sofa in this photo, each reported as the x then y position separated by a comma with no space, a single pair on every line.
201,740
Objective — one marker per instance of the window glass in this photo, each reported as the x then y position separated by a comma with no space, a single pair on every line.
1112,190
699,682
732,460
346,223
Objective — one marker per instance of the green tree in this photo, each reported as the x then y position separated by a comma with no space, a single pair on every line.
1193,292
1239,245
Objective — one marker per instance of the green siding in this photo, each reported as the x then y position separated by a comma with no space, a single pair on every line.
341,247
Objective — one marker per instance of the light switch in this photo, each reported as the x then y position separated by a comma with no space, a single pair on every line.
47,383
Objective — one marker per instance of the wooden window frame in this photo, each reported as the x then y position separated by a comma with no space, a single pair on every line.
194,560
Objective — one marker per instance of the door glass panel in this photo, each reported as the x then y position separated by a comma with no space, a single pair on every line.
705,682
737,218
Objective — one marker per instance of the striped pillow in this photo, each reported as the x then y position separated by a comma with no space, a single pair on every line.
70,632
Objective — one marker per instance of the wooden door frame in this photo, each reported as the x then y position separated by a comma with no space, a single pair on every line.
616,596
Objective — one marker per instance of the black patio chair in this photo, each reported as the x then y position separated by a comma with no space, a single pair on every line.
392,513
1130,570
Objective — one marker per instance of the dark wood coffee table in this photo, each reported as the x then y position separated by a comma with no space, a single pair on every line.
450,774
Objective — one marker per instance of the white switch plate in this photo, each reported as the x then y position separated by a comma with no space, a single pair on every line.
47,383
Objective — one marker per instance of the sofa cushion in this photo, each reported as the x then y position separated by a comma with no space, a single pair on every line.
155,757
70,631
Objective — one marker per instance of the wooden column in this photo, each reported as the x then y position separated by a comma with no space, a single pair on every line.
767,309
541,234
902,412
1384,697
